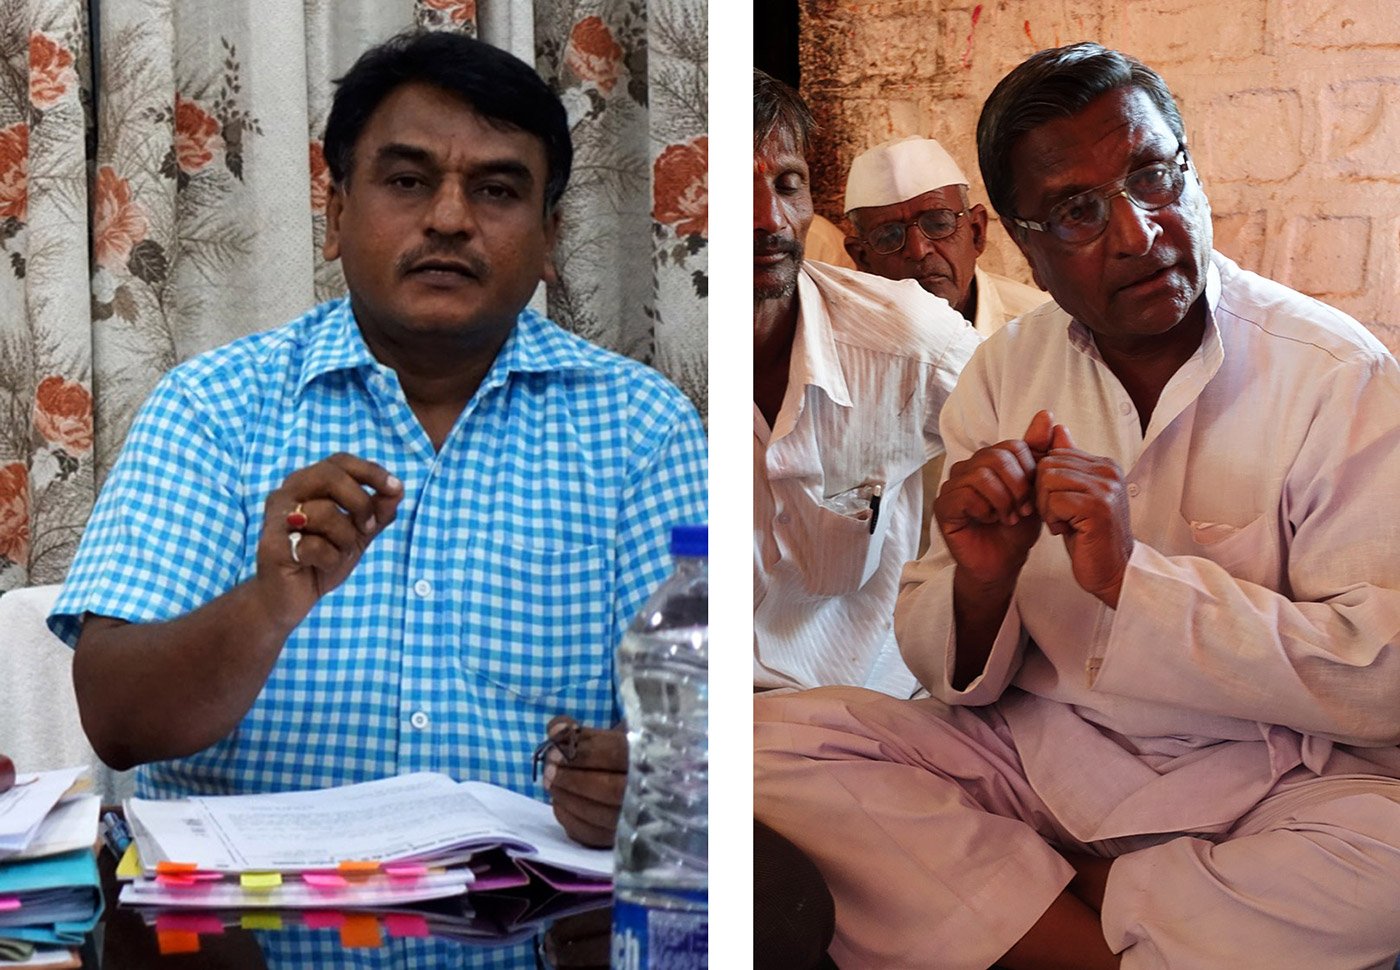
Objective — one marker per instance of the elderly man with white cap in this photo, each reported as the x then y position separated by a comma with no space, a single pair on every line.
908,202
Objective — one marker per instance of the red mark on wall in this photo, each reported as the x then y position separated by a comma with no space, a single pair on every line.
1030,36
967,51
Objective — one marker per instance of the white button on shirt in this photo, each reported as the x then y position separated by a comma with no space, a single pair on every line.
419,720
872,362
423,588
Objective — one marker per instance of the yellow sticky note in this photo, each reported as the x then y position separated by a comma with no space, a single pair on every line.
261,921
260,882
130,865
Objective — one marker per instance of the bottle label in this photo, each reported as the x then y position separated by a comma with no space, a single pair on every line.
653,938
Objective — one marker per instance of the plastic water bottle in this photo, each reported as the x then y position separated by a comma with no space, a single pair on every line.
661,897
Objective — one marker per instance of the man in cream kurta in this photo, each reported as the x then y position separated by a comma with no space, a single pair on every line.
1180,720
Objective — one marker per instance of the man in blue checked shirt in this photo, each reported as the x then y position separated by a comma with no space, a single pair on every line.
403,531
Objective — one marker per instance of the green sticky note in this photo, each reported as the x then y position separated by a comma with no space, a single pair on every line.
260,882
261,921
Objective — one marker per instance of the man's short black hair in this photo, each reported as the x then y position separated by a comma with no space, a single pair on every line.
496,84
777,107
1056,83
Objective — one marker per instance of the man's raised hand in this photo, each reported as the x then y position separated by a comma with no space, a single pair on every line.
986,510
1083,498
316,525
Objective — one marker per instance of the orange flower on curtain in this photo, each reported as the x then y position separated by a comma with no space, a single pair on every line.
593,54
63,414
196,135
461,11
320,178
51,71
680,194
118,222
14,172
14,513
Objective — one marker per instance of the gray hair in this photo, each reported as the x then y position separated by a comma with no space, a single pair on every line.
1051,84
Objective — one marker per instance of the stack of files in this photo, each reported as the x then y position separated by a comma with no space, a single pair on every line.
50,890
381,843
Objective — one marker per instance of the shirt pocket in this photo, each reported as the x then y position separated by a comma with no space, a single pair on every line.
1249,552
536,619
842,550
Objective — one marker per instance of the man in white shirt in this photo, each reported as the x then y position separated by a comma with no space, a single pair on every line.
850,373
908,202
1163,734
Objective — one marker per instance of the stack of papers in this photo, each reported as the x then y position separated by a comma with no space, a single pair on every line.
50,891
381,843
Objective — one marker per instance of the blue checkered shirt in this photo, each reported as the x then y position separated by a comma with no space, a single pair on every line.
494,601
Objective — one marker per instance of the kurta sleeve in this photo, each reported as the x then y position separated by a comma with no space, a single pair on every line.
923,620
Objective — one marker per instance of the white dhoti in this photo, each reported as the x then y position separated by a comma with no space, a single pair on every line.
939,853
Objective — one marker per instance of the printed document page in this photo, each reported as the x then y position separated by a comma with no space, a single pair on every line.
389,819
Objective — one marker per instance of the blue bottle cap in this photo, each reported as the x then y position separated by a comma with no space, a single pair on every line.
690,540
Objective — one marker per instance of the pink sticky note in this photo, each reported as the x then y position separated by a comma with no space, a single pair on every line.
9,904
189,922
405,870
324,880
405,924
323,919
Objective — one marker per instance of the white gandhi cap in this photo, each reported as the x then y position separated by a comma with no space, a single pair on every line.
898,170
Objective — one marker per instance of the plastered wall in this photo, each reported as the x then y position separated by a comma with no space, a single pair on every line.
1292,110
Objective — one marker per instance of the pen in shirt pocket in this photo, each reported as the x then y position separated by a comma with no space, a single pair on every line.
875,494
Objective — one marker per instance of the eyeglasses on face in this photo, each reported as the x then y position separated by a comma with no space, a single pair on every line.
1083,218
935,224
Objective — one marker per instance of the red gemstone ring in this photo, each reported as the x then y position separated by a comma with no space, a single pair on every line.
296,519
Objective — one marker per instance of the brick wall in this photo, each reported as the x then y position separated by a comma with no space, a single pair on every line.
1292,111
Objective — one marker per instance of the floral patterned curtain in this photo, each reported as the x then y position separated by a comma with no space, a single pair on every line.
163,191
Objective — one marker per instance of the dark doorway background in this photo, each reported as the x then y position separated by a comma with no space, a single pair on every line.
775,40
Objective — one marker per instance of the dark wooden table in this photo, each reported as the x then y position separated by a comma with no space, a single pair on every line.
124,940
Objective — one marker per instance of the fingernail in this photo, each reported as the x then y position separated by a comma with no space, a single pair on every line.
371,524
549,772
393,484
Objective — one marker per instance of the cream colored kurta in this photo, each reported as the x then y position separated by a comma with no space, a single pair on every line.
872,363
1262,600
1228,734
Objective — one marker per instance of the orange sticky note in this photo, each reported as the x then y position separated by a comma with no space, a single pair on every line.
361,930
177,941
165,865
349,867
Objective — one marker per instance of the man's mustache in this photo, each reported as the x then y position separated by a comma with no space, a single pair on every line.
443,250
770,245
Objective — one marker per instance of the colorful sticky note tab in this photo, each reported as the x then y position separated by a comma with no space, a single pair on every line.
260,882
321,919
353,867
406,924
165,865
361,931
405,870
324,880
261,921
177,941
176,880
189,923
9,904
130,865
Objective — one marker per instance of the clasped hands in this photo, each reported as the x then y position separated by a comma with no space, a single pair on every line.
992,505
